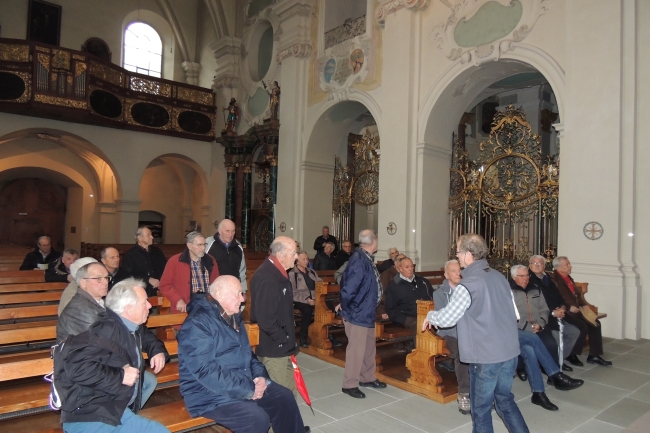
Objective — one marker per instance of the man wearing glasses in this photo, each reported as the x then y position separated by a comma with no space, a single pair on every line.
482,308
188,274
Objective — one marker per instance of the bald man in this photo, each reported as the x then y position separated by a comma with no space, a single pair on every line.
272,310
228,252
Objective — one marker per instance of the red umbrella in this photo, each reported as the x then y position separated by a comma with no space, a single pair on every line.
300,383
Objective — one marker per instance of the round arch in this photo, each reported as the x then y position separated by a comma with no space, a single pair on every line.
454,92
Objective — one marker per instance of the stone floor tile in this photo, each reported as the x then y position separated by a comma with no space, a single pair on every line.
625,412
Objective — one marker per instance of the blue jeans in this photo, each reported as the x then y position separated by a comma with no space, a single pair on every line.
493,383
535,353
130,422
149,384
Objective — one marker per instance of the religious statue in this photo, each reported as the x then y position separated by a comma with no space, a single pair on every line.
274,99
233,115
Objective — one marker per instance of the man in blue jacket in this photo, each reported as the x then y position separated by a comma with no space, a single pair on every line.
360,295
220,377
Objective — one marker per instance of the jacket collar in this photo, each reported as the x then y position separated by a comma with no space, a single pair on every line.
187,259
86,295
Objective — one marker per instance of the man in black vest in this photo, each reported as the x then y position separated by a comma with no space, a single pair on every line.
228,252
145,261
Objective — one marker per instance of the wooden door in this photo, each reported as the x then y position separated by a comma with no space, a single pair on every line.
30,208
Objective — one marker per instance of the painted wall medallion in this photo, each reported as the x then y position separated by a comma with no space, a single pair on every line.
283,227
593,230
392,228
356,60
329,69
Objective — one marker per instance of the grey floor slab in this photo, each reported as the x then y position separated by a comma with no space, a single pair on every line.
370,421
618,347
324,382
643,393
313,420
625,412
310,363
615,377
643,350
595,426
630,361
391,391
590,395
636,343
567,418
341,406
421,412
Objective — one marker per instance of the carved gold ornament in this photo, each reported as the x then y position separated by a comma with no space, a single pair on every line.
14,53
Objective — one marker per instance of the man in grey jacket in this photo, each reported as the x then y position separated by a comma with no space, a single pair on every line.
441,298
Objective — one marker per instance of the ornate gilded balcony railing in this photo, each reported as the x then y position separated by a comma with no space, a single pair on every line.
47,81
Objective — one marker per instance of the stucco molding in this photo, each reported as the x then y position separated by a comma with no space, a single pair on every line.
387,7
464,10
299,50
315,166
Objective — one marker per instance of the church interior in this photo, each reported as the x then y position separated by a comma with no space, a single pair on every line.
423,120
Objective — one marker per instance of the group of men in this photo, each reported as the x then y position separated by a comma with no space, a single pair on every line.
486,322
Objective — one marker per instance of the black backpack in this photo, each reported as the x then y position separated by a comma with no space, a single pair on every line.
64,393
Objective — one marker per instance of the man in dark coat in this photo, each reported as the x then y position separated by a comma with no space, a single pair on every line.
110,257
145,261
360,295
390,262
59,271
112,379
41,257
574,299
324,260
320,241
272,310
220,377
344,255
403,292
228,252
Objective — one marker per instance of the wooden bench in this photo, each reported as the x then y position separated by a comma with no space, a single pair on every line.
32,287
22,277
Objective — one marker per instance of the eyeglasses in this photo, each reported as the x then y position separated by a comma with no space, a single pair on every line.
99,279
523,276
537,263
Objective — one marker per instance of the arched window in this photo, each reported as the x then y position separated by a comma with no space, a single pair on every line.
142,49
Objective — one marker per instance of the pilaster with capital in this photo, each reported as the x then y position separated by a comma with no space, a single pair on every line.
387,7
246,206
192,70
128,213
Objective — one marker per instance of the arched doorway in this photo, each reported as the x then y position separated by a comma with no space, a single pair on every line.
30,208
463,92
333,137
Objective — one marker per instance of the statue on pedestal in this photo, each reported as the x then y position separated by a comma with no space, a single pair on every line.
274,99
233,116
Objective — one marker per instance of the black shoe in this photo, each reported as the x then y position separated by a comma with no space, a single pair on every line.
566,368
522,375
334,341
307,429
540,399
399,347
353,392
374,384
303,342
573,359
596,359
564,383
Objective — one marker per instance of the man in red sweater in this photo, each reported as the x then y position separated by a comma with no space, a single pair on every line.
188,274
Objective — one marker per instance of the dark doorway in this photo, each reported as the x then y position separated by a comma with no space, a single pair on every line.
30,208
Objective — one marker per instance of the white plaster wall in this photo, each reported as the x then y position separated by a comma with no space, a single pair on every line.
161,191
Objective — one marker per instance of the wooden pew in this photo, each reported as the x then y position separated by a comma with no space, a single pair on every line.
22,277
421,362
32,287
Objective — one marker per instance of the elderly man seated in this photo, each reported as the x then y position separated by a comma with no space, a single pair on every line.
59,271
557,309
388,263
574,298
103,382
401,296
325,260
41,257
220,376
533,312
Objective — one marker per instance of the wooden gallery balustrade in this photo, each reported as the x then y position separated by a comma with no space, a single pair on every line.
53,82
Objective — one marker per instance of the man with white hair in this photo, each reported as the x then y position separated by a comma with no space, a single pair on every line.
228,252
390,262
41,257
188,274
361,292
272,310
104,385
220,377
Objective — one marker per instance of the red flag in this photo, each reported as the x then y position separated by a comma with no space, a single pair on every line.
300,383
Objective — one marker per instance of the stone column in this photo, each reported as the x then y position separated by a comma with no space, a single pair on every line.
273,194
107,222
191,72
227,53
246,207
127,213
